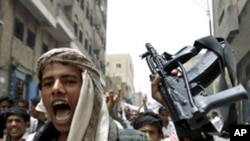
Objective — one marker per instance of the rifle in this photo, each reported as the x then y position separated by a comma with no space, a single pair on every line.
186,97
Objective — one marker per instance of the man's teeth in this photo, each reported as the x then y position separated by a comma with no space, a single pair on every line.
14,129
63,116
59,102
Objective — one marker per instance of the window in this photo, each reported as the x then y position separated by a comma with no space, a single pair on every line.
75,28
90,50
91,20
82,4
88,14
45,48
19,88
221,17
31,39
247,70
75,25
86,45
18,29
80,36
118,65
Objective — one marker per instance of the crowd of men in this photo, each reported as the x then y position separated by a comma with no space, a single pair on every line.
74,107
19,118
23,117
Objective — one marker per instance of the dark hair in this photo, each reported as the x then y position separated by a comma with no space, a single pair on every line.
25,101
6,98
163,108
35,100
18,112
148,118
2,124
215,113
133,111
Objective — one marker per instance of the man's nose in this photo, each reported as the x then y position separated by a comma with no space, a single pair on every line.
5,109
13,123
147,134
58,87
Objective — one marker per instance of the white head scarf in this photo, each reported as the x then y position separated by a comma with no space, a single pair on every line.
91,119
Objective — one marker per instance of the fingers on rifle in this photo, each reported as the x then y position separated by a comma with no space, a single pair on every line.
179,74
155,89
176,72
155,83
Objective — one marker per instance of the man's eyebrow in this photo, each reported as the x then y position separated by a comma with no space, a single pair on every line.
47,78
69,76
63,76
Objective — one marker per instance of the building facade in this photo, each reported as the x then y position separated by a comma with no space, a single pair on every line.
30,28
120,65
231,20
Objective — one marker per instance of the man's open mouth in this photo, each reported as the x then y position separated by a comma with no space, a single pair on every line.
62,110
14,130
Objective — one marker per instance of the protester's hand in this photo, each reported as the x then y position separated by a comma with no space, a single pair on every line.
156,94
176,72
112,99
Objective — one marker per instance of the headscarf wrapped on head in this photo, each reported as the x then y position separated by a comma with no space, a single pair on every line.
16,111
70,56
91,119
148,118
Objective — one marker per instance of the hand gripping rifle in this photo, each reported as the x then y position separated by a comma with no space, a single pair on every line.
185,96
